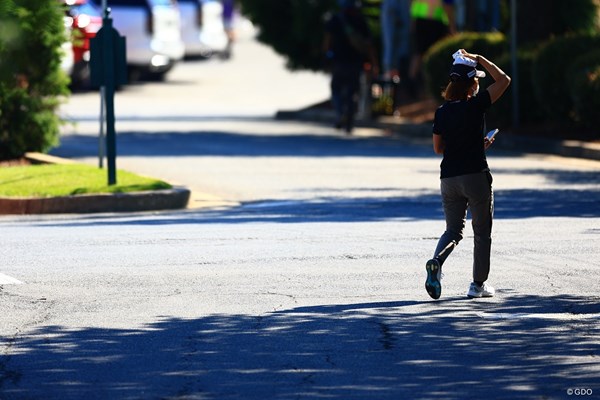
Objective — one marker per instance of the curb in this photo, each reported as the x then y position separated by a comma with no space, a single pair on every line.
152,200
175,198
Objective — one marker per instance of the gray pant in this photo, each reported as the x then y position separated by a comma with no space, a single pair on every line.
473,192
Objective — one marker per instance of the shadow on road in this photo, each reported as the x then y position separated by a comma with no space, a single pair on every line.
509,204
516,347
231,144
567,201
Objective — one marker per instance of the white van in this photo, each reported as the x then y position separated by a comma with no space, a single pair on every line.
153,33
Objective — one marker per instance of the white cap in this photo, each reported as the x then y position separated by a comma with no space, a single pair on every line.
464,68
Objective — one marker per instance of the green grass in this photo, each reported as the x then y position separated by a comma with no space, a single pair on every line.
52,180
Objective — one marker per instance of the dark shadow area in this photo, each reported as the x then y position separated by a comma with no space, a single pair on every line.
523,347
338,209
230,144
509,204
530,203
570,177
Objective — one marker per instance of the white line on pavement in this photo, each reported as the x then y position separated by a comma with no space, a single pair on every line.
7,280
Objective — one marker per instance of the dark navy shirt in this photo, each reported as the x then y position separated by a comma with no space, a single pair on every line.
461,124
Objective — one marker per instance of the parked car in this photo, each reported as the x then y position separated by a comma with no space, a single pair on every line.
152,29
84,19
68,57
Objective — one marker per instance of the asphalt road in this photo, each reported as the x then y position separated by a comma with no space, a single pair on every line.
298,271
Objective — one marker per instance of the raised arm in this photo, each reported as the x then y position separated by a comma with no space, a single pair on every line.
501,80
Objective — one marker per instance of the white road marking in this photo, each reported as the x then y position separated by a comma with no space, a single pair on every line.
7,280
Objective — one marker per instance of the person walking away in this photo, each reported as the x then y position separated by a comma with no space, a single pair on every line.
395,34
347,45
395,61
488,15
228,14
431,21
466,181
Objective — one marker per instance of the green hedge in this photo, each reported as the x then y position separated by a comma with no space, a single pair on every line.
584,85
550,73
501,113
438,59
31,79
539,20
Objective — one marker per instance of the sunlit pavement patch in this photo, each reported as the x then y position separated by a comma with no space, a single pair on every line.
7,280
544,316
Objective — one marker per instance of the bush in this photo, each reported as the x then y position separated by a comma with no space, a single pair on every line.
438,59
584,85
550,73
538,20
31,80
501,113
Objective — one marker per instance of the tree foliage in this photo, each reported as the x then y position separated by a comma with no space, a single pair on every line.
584,79
538,20
550,73
293,28
31,80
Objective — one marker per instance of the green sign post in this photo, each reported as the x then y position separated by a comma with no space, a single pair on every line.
108,69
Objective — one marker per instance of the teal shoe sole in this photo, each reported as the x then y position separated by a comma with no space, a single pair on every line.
433,284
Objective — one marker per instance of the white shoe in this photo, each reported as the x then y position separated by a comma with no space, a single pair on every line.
476,291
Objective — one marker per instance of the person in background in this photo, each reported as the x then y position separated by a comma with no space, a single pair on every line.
347,45
488,15
466,181
477,15
395,34
228,11
431,21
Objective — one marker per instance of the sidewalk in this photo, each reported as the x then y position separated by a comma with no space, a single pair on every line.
415,124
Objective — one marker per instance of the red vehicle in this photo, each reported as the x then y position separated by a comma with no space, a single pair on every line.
85,19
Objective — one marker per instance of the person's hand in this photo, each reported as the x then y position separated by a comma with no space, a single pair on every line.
487,143
466,54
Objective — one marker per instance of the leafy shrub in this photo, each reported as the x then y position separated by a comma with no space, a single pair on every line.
584,86
538,20
31,80
501,113
438,59
550,73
